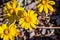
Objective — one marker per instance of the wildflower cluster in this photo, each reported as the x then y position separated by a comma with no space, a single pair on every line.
27,19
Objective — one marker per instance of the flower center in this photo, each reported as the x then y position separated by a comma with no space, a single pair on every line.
6,31
28,19
44,2
12,11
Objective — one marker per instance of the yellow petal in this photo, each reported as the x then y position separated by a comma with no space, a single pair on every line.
27,26
35,22
46,9
2,35
14,5
11,37
31,12
4,26
39,5
5,8
13,26
13,32
5,38
36,14
33,25
13,29
1,30
21,21
41,8
30,28
51,2
23,25
50,7
18,5
24,13
35,17
9,14
8,5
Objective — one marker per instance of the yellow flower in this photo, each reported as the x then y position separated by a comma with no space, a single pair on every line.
46,5
29,20
8,32
12,8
